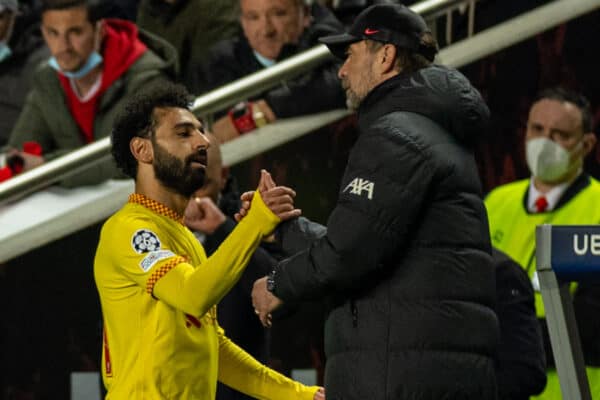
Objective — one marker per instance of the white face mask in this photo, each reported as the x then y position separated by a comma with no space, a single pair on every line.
547,160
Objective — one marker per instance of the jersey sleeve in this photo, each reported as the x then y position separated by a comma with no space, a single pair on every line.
195,290
240,371
141,251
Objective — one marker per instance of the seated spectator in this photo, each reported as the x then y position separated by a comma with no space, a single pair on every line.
191,26
272,31
21,49
96,65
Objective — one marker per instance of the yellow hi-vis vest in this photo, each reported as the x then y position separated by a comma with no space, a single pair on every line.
512,227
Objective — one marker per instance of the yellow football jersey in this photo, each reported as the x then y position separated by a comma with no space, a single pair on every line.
158,292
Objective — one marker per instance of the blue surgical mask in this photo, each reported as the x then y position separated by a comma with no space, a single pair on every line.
264,61
92,62
5,51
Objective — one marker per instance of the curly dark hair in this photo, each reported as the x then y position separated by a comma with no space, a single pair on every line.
137,118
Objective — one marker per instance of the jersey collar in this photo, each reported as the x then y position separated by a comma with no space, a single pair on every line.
155,206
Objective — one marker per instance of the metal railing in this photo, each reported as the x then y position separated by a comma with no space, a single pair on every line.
457,55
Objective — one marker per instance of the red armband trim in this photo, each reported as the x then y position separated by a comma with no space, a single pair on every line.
162,271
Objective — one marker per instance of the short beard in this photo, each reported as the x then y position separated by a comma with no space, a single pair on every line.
176,174
353,100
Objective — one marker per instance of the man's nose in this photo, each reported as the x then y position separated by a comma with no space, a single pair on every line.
64,43
342,71
202,141
268,27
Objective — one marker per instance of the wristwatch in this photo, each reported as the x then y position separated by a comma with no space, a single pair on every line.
247,116
271,281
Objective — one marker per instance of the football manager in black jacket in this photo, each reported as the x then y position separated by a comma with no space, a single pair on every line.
405,259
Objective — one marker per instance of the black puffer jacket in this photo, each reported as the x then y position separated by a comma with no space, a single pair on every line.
405,257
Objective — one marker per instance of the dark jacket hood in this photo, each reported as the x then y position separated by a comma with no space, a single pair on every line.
439,93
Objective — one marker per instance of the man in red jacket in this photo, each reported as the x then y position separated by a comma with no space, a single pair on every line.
96,64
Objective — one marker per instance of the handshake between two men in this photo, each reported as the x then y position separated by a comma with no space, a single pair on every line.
203,215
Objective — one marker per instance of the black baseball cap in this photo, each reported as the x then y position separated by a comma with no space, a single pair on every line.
386,23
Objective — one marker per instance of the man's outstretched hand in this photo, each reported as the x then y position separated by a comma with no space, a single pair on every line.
279,199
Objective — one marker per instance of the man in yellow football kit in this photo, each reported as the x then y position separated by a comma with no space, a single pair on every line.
158,290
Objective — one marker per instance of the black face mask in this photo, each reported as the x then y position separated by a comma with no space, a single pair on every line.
176,174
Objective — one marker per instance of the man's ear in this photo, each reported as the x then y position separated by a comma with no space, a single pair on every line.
589,142
141,148
388,57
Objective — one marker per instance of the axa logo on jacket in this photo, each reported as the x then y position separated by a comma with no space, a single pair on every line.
360,185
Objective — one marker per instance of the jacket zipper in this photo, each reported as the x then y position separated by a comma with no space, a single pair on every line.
354,310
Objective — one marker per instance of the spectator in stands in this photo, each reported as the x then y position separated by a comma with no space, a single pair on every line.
191,26
235,312
272,31
521,361
96,65
405,258
21,49
558,137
